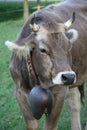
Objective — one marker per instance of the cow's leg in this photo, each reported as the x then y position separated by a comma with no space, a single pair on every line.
52,119
22,97
74,105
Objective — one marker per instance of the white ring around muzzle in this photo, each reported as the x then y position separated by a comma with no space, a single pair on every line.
57,80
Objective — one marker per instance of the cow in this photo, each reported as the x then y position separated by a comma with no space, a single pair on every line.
49,55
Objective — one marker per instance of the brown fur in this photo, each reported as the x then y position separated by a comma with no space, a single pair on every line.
47,66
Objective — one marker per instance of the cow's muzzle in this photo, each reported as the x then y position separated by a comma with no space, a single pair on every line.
65,78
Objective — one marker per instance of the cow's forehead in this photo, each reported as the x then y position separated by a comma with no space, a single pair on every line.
51,30
52,41
47,23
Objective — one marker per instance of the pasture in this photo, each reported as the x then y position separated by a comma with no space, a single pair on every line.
10,115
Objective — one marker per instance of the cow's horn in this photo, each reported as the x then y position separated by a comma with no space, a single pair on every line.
70,21
34,27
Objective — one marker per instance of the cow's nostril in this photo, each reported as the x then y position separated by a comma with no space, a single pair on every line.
68,78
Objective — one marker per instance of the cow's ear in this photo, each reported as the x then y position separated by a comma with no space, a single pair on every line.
23,46
20,50
72,35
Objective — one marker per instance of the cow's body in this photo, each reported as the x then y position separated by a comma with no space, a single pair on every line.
18,66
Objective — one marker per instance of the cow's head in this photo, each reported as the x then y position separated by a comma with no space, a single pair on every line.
50,43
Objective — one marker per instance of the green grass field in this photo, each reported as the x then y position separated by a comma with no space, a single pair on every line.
14,10
10,115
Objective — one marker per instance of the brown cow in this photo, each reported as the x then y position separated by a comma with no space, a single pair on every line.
43,55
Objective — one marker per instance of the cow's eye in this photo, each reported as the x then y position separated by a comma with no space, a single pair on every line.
42,50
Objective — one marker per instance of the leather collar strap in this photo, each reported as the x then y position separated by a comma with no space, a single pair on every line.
33,77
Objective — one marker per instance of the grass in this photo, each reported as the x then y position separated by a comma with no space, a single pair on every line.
14,10
10,115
